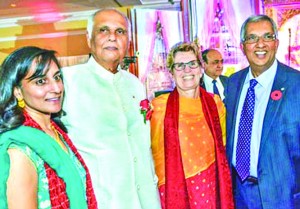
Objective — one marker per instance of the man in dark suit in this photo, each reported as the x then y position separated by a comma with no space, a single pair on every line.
266,173
213,80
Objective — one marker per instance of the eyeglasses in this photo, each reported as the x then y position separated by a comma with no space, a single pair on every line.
251,39
181,66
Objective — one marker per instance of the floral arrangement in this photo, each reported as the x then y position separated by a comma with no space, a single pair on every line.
276,95
146,109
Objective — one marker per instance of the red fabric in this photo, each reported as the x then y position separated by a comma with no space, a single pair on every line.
176,194
57,190
57,187
201,197
224,186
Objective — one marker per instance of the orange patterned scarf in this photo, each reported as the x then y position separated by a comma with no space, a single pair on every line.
176,194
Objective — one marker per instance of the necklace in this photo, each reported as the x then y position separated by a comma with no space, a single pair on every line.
58,139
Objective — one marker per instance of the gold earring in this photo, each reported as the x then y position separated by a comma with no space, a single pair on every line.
21,103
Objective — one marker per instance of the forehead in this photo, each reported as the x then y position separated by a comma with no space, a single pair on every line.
184,56
213,54
261,26
33,68
49,68
111,19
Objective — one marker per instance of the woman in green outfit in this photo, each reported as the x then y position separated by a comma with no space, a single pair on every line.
40,167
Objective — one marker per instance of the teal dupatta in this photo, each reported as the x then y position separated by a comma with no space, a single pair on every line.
51,153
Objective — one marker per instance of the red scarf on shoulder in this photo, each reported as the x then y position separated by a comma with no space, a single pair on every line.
57,187
176,194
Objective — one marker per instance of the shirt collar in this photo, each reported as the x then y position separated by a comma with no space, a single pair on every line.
209,79
101,71
266,77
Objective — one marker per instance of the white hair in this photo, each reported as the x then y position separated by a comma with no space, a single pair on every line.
90,23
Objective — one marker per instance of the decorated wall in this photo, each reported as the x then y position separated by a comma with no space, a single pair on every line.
66,34
209,23
287,16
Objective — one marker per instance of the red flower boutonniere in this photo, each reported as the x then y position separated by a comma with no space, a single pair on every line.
276,95
146,109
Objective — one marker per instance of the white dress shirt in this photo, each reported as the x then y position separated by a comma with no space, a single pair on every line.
210,87
262,94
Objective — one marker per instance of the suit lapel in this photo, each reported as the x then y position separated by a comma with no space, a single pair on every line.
235,91
223,80
273,105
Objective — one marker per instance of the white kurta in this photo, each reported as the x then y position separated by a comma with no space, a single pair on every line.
104,122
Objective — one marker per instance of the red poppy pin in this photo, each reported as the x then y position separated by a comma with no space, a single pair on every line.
276,95
146,109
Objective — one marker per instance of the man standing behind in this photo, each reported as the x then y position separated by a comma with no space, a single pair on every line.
263,123
213,80
103,118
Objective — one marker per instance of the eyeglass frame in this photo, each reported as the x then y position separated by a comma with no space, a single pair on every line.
184,64
256,38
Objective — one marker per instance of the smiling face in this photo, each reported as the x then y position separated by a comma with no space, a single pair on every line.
42,95
187,80
260,55
109,40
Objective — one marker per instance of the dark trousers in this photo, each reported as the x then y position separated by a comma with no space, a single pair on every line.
246,194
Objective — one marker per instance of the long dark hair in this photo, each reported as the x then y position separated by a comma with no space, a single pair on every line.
13,70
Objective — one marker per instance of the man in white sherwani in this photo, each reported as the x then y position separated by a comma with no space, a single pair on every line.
103,118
